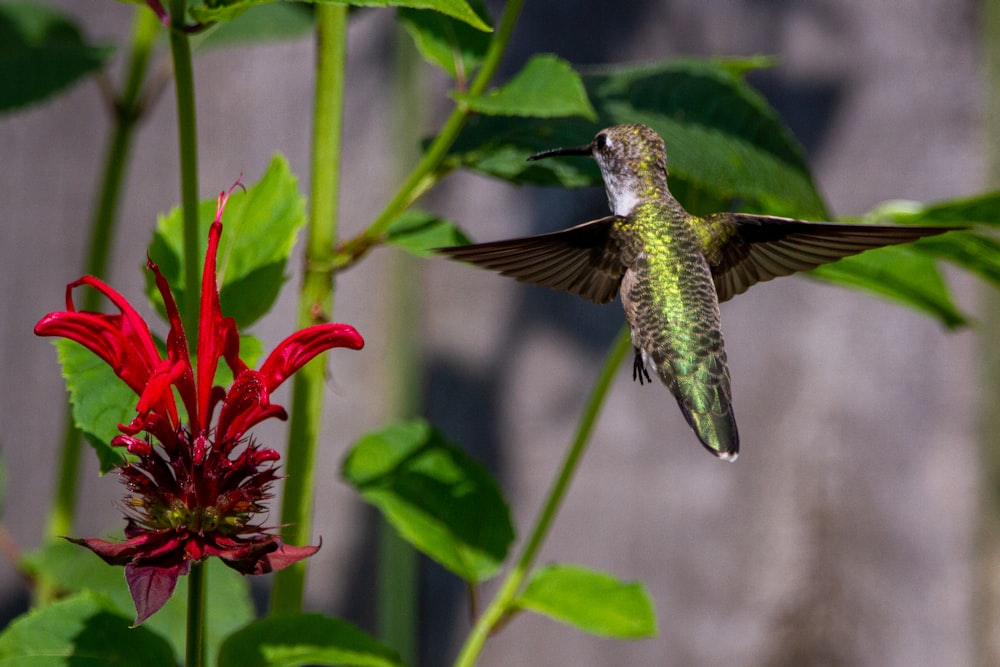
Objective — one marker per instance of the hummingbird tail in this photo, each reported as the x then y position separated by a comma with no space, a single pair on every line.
716,431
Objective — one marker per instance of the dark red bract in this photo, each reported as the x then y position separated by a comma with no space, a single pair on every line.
195,494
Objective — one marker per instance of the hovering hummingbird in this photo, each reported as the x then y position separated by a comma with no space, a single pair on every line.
672,269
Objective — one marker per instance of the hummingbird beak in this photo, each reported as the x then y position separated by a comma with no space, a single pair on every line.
586,150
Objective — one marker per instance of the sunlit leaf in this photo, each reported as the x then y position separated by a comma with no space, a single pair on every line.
98,398
547,87
271,22
229,10
591,601
83,629
437,498
976,252
304,639
979,210
452,45
458,9
259,231
910,275
901,273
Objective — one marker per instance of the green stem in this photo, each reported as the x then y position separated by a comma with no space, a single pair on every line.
397,583
500,606
316,299
426,172
195,651
986,558
187,138
127,113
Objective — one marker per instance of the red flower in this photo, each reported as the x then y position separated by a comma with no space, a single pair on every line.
196,495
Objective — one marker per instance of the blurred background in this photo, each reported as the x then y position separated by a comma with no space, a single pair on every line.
846,532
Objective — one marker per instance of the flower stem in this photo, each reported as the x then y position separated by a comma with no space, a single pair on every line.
195,651
127,114
316,299
187,139
501,605
427,172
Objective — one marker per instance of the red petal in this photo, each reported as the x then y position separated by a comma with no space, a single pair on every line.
268,557
179,370
122,341
152,585
284,556
246,395
113,553
298,349
217,335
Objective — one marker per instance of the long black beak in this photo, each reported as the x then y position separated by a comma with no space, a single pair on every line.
586,150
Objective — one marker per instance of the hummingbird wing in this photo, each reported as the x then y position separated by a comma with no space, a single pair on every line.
743,249
584,260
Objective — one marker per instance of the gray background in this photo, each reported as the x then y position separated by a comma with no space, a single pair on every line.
843,536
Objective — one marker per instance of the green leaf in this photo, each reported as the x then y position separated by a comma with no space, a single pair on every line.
229,10
304,639
740,66
452,45
41,53
909,274
74,569
438,498
271,22
591,601
982,209
547,87
457,9
976,253
222,12
99,399
901,273
419,232
84,629
259,230
724,143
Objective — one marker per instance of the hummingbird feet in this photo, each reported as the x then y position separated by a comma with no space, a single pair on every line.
639,369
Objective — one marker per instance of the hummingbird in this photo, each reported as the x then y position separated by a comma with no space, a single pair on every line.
672,269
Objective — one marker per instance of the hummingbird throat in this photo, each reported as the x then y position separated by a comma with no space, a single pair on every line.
622,201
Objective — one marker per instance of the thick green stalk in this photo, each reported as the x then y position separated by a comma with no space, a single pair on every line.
316,299
500,606
187,139
986,585
397,585
195,650
425,173
126,115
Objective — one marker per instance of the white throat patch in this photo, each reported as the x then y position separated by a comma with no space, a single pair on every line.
624,203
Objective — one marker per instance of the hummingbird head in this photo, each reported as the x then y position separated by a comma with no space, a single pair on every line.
633,162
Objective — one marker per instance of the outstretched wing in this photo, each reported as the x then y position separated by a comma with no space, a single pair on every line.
743,249
583,260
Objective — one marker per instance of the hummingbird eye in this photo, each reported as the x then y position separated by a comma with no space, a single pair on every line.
601,141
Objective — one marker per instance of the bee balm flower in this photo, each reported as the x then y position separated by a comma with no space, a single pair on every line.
199,482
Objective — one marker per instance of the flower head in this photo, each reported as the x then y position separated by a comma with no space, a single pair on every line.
196,491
